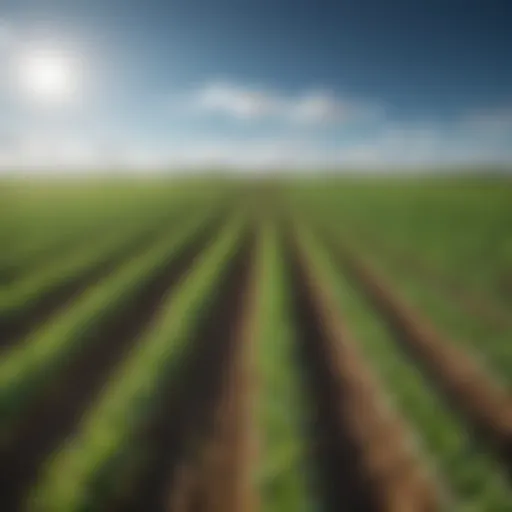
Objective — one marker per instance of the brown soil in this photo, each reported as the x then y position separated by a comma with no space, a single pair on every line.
467,386
55,415
18,325
176,434
218,480
366,464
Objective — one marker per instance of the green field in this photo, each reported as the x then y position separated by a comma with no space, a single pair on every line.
243,345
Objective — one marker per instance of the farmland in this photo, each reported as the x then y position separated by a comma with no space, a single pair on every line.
222,345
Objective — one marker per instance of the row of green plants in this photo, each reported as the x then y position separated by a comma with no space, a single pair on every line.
22,293
471,478
108,242
27,368
488,341
36,222
460,228
39,223
285,476
86,473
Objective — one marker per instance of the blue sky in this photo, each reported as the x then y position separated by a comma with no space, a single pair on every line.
262,83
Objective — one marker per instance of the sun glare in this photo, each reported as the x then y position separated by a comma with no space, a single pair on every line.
48,75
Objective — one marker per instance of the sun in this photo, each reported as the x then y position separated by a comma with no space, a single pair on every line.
48,76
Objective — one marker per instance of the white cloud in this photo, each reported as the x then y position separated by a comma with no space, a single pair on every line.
250,103
242,103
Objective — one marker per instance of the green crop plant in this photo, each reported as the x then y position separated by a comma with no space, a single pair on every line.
82,475
284,475
28,367
475,481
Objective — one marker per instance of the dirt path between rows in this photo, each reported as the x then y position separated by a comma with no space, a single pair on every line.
218,478
466,384
366,461
56,414
189,407
17,326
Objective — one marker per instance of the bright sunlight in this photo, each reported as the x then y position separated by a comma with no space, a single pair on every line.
49,76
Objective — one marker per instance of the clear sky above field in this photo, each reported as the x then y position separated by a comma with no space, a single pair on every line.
255,82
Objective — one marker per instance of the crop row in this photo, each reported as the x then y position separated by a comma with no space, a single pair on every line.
95,459
473,477
298,371
28,366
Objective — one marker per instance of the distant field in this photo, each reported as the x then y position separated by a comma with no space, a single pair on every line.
221,345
